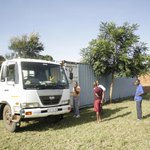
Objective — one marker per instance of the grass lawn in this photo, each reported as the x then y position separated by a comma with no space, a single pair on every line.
119,130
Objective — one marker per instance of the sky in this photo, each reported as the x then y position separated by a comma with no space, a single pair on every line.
67,26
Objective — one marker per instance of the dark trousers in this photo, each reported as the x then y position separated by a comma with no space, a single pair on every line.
139,109
76,105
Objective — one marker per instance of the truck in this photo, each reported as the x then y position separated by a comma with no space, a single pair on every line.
32,88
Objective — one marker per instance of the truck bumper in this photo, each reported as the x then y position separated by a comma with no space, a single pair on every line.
44,112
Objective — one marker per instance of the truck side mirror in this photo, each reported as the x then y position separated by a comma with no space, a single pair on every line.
71,75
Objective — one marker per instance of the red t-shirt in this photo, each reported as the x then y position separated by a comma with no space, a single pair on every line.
98,93
97,99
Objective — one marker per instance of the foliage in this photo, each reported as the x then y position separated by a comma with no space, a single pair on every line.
26,46
117,50
148,60
1,59
46,57
10,55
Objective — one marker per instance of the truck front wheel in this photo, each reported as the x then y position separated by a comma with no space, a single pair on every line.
7,118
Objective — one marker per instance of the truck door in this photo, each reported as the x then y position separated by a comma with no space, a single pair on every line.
3,83
9,79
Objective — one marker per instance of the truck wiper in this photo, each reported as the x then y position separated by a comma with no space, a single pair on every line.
34,86
45,86
61,86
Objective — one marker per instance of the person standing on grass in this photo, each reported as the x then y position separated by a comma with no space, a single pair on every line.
104,89
138,98
98,100
76,94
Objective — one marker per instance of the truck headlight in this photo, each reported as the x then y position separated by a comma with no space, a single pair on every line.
29,105
66,101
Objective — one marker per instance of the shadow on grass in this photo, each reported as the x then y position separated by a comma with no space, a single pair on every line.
146,116
87,115
107,113
119,116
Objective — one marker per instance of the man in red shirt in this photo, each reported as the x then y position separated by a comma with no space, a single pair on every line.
98,100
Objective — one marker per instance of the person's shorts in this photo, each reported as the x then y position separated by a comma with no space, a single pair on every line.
97,105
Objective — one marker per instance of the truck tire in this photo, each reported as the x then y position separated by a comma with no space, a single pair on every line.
1,112
7,118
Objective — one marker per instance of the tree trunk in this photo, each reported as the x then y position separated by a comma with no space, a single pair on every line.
111,88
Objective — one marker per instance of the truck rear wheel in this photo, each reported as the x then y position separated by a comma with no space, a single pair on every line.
7,118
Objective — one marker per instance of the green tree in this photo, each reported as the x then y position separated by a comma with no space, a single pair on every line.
10,55
116,51
26,46
1,59
46,57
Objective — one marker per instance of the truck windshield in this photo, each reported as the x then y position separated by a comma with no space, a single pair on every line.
43,76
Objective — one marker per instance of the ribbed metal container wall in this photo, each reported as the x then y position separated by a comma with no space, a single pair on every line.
122,88
86,79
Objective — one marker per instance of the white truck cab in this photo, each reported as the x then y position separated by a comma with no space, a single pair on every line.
31,88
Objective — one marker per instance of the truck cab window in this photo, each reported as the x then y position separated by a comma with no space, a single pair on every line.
3,74
43,76
11,73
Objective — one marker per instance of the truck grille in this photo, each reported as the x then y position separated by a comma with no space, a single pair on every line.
50,100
